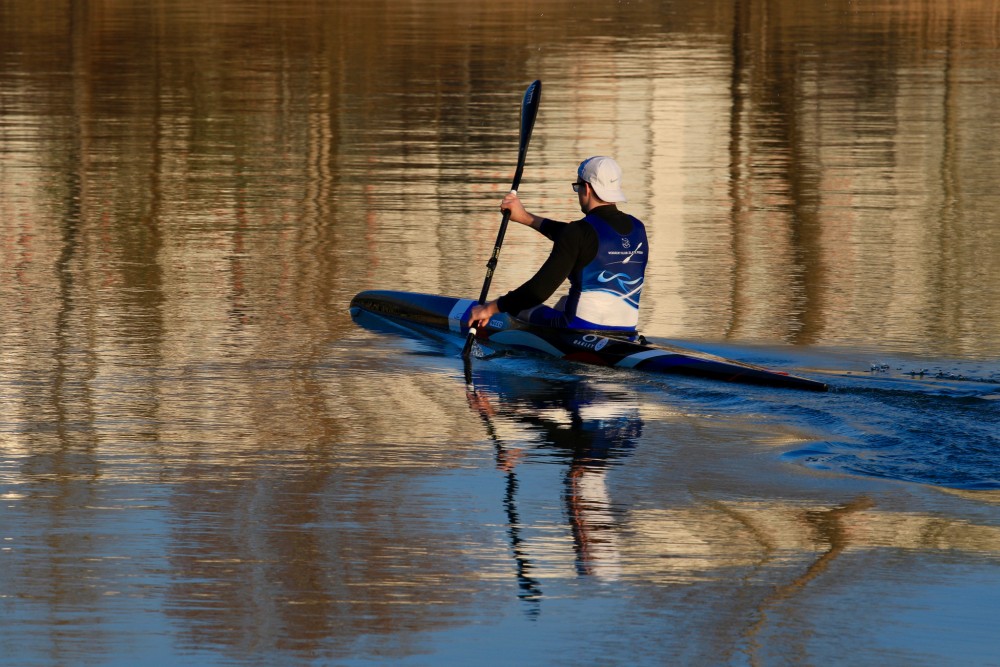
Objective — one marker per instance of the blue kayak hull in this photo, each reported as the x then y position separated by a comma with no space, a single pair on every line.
603,348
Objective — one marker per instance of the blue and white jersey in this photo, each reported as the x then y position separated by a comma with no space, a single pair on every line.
606,293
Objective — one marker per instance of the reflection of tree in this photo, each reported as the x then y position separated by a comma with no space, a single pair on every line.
580,425
830,530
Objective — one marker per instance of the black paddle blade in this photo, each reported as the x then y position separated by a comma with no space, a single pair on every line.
529,110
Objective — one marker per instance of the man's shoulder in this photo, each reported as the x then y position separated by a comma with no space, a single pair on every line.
580,229
572,238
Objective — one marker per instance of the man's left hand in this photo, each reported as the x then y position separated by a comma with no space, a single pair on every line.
481,314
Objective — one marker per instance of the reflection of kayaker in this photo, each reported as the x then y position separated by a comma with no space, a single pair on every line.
574,421
595,528
572,416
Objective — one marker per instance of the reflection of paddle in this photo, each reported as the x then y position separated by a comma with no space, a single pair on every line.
530,589
529,109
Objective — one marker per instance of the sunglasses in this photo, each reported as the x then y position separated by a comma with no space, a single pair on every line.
577,185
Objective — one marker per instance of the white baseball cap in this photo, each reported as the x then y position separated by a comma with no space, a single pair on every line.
604,175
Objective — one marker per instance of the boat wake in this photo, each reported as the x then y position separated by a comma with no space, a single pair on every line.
919,420
940,428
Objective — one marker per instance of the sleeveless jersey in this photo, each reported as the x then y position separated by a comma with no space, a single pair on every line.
606,293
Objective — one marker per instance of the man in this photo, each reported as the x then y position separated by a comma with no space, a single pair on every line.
603,255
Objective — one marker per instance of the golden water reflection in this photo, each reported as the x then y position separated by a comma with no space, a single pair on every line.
788,198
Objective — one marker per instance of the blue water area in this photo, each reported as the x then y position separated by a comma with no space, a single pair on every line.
898,417
940,432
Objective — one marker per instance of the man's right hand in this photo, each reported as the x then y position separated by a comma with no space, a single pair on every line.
517,213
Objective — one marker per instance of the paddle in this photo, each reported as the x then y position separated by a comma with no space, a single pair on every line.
529,109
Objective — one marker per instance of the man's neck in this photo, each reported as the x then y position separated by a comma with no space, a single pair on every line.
589,207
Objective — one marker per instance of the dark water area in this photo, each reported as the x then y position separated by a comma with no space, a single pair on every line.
205,461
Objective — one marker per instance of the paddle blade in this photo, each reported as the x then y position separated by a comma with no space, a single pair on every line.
529,110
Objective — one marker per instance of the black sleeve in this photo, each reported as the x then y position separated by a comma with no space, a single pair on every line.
552,229
568,247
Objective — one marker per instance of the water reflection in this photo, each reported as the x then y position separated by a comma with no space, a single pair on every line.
199,453
572,422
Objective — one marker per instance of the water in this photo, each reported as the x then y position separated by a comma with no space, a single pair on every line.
204,461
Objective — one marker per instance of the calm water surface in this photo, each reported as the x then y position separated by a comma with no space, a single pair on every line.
204,461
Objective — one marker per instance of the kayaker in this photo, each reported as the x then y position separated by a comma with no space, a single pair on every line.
603,254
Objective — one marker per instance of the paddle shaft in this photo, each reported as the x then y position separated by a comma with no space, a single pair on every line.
495,257
529,109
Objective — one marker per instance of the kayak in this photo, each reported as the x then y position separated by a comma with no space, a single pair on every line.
433,313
